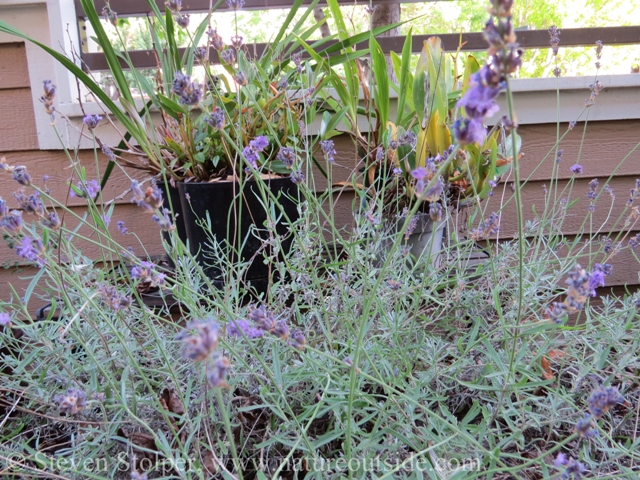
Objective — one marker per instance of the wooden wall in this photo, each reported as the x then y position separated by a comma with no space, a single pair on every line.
607,143
19,144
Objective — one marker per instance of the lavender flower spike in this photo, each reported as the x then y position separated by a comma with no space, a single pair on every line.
218,371
479,101
91,121
21,176
71,402
469,130
577,169
199,345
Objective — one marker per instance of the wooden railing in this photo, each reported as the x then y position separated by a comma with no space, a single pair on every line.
468,42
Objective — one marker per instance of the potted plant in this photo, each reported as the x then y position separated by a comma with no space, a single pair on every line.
411,163
240,131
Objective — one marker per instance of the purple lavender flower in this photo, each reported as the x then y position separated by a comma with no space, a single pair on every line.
112,298
190,93
240,78
31,204
123,230
479,101
236,41
436,211
49,95
435,191
411,226
110,15
408,139
488,227
91,121
12,223
21,176
259,143
251,156
235,4
296,58
554,40
108,152
297,177
174,5
72,401
469,130
557,312
597,279
216,40
216,118
228,55
88,189
593,189
297,340
283,84
183,21
328,150
397,171
577,168
5,319
572,468
287,155
200,338
559,155
52,221
4,210
281,331
634,242
603,400
584,427
164,221
150,200
263,318
236,328
217,372
31,250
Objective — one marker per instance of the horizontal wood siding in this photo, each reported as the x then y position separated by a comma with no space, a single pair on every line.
17,122
13,66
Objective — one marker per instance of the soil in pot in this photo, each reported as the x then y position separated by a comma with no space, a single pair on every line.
232,213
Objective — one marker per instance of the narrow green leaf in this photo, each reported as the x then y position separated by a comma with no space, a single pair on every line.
381,75
403,76
109,52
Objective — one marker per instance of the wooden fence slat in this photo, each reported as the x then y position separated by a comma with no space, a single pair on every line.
129,8
571,37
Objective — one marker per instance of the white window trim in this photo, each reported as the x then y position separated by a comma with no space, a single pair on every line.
48,21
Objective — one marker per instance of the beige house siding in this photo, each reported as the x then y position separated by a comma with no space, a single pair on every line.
18,143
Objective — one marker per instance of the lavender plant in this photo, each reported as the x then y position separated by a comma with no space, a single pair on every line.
348,368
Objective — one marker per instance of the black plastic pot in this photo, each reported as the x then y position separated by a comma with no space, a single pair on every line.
232,213
172,193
